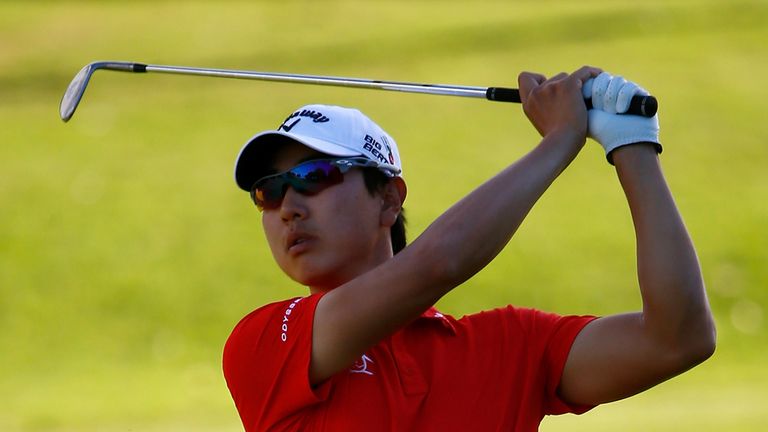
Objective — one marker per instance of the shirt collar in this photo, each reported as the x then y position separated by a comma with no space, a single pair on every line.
435,315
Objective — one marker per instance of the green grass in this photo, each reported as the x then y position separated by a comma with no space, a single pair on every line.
127,253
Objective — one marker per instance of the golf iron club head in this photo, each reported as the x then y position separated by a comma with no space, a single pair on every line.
76,88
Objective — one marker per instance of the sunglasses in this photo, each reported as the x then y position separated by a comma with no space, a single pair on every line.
307,178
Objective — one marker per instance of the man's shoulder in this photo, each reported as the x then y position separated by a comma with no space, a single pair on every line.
276,310
271,308
276,327
266,361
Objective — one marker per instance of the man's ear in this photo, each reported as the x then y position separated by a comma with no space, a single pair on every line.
393,196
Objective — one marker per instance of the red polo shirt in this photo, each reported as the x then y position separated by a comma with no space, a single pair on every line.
492,371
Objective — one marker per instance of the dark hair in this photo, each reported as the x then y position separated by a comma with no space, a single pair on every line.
374,182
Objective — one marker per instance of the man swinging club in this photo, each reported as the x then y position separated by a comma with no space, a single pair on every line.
366,350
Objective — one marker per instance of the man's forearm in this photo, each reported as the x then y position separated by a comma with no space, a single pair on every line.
675,306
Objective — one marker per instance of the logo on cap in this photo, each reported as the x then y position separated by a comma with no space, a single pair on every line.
376,149
316,116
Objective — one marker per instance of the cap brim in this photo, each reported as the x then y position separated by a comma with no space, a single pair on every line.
251,160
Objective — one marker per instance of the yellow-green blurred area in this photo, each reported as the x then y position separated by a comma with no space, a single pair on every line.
127,253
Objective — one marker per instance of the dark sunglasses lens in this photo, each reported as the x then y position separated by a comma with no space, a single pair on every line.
308,178
268,193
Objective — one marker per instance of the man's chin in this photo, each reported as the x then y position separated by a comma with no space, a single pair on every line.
316,281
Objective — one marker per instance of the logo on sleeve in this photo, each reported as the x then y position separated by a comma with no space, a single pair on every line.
361,366
286,320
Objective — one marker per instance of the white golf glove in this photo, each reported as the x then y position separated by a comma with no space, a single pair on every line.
611,96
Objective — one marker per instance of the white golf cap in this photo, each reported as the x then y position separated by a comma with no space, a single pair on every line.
333,130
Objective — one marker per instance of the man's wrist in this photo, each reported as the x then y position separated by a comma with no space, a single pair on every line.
567,138
560,148
633,154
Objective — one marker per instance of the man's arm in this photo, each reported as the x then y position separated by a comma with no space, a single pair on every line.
351,318
621,355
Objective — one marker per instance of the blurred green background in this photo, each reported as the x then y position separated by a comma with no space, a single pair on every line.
127,254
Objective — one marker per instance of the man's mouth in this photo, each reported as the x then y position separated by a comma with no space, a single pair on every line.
297,242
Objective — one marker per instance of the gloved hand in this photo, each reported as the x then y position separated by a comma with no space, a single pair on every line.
607,125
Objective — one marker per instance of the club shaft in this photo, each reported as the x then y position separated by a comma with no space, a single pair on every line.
438,89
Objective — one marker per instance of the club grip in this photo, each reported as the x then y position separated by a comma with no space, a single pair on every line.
645,106
502,94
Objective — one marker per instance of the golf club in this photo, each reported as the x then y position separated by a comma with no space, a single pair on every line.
640,105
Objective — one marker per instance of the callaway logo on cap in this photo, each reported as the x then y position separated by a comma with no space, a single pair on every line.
333,130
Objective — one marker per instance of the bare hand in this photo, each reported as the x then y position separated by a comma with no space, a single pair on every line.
556,105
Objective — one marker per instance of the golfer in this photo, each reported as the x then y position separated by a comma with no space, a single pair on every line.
366,350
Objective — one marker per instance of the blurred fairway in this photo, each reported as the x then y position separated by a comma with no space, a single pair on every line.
127,253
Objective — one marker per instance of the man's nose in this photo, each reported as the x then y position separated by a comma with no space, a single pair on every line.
293,205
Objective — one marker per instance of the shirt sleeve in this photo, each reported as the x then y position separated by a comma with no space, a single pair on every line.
558,334
266,364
